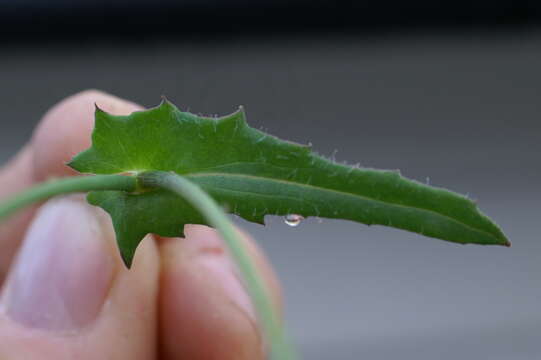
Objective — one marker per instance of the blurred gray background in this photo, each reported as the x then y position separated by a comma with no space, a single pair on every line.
457,109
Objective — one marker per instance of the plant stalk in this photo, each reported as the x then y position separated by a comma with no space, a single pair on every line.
280,347
64,186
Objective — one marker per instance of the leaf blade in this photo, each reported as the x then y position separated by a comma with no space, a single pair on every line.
255,174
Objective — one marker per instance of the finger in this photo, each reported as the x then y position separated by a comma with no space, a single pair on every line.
205,311
63,132
68,295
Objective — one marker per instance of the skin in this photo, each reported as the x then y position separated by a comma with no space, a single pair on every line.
182,299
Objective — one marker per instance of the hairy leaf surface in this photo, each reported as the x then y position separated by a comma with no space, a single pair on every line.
253,174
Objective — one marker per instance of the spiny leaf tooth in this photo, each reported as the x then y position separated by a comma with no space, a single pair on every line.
257,218
101,117
166,104
97,109
238,117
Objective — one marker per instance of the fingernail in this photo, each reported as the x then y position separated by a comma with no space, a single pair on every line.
63,271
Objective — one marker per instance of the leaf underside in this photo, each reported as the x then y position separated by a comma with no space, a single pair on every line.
253,174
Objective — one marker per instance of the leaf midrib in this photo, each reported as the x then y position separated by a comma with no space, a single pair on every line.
216,174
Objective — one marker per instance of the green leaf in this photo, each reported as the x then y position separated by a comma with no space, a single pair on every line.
253,174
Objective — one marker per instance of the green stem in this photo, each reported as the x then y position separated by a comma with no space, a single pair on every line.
64,186
280,347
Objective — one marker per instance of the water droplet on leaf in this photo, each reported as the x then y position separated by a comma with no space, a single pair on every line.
293,219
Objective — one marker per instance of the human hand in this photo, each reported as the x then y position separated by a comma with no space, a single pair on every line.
67,294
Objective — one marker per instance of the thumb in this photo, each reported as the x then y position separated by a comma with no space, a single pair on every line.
68,296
